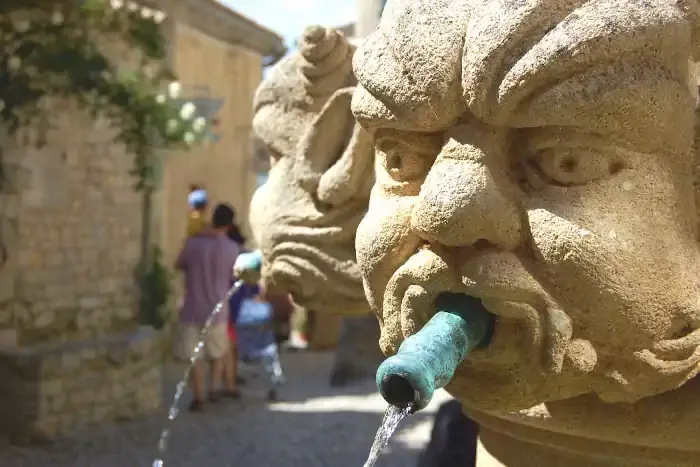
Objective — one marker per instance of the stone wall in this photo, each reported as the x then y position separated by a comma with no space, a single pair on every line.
71,226
72,203
71,347
49,389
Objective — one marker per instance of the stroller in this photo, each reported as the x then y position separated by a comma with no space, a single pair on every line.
256,337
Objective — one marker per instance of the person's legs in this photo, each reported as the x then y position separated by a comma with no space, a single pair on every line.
231,371
189,338
217,346
231,364
197,382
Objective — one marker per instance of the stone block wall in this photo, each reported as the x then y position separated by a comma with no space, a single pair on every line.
71,348
55,387
72,231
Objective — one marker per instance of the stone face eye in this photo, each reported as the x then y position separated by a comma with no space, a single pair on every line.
571,166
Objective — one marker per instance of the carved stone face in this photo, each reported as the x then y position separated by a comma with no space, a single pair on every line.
305,216
537,155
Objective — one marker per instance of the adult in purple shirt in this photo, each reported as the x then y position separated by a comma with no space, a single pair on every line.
207,261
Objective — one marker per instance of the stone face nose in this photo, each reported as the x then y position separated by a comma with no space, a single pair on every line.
460,204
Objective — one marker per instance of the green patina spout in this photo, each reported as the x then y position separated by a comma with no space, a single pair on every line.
427,360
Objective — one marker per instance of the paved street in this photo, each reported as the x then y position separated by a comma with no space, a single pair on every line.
313,426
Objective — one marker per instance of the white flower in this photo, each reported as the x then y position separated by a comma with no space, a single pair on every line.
57,17
199,124
146,13
14,63
21,26
159,16
116,4
174,90
171,126
189,138
105,75
160,98
132,6
187,111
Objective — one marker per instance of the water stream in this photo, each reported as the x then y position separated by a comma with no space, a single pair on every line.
173,411
392,417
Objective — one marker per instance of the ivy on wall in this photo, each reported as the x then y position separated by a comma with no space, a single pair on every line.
50,48
56,48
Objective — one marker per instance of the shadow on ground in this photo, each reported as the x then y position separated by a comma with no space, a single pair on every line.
313,425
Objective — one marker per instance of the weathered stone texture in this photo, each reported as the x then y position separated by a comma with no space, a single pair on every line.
70,352
74,229
55,387
537,155
305,216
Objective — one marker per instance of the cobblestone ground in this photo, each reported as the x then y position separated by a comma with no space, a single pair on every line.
312,426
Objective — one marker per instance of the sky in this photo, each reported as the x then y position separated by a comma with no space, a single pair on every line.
288,18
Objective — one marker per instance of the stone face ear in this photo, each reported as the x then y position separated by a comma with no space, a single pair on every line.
352,175
325,140
334,159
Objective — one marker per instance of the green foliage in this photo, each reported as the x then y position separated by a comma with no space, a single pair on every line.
56,49
156,289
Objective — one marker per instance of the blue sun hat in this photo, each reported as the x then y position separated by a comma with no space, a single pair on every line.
197,197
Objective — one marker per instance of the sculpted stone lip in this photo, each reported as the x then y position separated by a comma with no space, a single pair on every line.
411,294
302,269
284,272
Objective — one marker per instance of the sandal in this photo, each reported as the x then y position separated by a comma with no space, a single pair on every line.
196,406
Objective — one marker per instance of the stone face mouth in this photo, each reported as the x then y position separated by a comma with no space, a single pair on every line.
527,332
315,278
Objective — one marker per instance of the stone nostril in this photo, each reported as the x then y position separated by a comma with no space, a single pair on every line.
682,332
483,244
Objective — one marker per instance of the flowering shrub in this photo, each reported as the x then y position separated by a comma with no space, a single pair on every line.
50,48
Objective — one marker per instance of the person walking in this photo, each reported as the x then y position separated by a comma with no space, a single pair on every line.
207,260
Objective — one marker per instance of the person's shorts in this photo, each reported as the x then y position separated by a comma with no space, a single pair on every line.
216,342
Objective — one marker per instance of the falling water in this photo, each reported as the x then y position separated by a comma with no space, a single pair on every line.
180,388
391,420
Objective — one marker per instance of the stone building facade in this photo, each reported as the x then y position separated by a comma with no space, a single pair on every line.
218,55
72,350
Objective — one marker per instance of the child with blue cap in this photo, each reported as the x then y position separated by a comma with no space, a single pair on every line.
198,203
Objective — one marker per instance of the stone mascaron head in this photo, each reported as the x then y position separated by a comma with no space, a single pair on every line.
304,218
537,154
